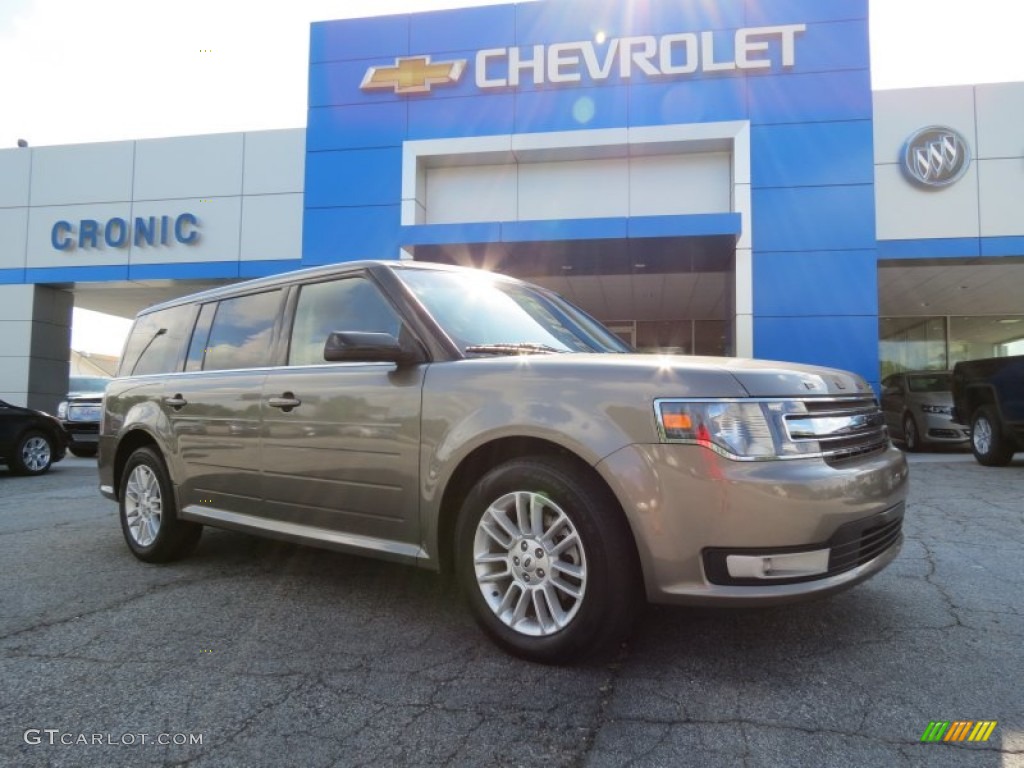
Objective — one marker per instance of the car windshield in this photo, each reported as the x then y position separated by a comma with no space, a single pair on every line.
487,316
934,382
83,384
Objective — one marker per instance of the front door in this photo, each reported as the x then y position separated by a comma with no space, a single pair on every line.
340,441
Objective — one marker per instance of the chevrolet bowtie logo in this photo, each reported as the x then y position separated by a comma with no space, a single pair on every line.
414,74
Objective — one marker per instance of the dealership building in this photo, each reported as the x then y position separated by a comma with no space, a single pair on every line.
711,177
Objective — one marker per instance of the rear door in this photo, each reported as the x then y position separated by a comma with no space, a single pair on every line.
214,406
340,450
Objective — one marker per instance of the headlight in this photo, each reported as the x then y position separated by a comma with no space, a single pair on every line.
62,410
941,410
736,429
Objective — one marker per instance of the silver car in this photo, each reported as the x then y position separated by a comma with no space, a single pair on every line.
466,422
918,407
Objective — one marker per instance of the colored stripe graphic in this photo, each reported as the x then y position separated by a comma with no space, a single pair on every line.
959,730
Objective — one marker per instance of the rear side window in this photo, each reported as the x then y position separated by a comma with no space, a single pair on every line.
350,304
157,342
241,332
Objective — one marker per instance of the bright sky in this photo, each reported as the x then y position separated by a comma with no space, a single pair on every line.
76,71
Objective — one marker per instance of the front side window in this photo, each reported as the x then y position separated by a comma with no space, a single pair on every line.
350,304
241,332
156,341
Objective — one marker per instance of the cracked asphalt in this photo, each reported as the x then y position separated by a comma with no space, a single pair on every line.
280,655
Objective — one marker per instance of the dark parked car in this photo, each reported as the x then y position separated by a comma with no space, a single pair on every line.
918,408
988,395
80,413
30,441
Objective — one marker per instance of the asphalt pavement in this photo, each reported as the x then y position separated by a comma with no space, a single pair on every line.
254,653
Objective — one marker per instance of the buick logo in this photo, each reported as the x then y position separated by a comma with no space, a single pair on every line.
936,157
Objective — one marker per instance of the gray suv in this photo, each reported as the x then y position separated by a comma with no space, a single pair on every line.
470,423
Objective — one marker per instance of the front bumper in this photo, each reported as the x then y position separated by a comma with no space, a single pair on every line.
685,503
939,429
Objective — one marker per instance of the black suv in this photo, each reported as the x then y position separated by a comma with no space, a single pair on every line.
80,413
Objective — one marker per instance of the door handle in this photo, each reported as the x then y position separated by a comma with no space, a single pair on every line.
286,402
177,402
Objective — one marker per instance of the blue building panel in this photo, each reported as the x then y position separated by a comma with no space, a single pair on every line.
331,235
846,342
357,127
819,97
354,177
564,229
931,248
827,47
815,284
196,270
572,109
336,83
812,154
466,29
485,115
830,218
365,38
574,20
689,101
762,13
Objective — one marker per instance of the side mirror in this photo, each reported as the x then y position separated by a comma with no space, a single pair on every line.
360,347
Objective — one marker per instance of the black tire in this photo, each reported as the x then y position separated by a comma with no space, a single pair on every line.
149,515
83,451
33,453
990,446
593,539
911,436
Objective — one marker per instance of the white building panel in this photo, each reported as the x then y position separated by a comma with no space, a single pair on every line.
908,212
82,173
16,302
471,193
580,189
190,166
13,234
899,114
275,161
41,221
219,223
1000,117
666,185
272,227
1002,198
15,167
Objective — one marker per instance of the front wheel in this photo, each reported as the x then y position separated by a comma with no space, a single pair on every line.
990,448
911,438
546,561
33,455
149,518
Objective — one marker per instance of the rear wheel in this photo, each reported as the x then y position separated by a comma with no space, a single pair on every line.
546,561
33,455
990,447
149,518
83,451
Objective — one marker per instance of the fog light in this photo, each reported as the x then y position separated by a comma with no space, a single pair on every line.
788,566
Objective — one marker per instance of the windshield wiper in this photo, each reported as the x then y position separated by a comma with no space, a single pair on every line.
524,348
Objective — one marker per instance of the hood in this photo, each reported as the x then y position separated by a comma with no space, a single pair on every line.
683,376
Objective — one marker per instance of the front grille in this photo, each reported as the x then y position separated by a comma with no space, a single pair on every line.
844,428
861,541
